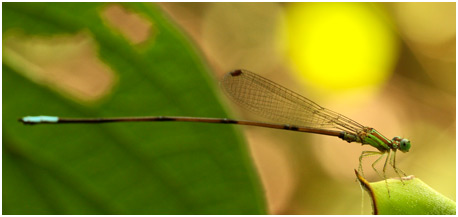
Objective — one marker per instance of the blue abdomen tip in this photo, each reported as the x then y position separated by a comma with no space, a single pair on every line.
40,119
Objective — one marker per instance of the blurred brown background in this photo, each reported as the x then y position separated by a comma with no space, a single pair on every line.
395,69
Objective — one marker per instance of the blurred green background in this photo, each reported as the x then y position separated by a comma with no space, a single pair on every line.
390,66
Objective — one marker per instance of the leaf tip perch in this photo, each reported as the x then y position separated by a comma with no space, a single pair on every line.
407,197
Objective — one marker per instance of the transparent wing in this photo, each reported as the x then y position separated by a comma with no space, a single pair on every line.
277,103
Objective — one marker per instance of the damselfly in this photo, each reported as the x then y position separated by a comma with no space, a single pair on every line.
291,111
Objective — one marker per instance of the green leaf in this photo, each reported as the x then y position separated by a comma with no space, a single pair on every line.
125,168
410,196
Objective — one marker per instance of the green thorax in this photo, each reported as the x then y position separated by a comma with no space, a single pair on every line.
370,136
375,139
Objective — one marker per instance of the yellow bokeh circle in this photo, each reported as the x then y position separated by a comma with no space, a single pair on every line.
341,45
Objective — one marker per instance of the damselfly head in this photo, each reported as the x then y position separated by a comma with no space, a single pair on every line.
404,144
